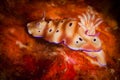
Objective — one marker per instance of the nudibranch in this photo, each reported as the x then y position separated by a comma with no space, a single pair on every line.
76,34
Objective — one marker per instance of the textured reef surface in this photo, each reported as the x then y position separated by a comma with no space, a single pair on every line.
25,57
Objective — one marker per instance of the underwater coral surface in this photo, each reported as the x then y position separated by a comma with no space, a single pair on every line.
24,56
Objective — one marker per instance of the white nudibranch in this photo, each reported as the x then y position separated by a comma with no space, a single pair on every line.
76,34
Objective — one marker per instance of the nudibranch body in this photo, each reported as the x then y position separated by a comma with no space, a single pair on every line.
79,34
72,32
